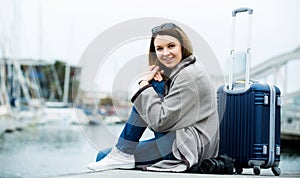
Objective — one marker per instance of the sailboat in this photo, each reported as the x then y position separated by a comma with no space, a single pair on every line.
5,109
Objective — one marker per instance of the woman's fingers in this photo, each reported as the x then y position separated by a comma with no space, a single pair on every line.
155,69
153,73
152,67
158,76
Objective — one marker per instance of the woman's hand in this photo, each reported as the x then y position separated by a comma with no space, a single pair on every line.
157,76
153,73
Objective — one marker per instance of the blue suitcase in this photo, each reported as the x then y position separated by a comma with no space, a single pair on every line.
249,114
250,127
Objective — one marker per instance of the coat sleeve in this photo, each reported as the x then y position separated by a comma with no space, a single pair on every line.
178,109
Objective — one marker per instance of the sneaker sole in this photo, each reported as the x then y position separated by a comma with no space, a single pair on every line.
114,167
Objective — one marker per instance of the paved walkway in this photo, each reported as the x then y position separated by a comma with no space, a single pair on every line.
147,174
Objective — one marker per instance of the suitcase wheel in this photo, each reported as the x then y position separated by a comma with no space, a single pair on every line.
256,170
276,171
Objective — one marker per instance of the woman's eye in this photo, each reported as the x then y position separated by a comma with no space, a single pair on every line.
158,49
171,45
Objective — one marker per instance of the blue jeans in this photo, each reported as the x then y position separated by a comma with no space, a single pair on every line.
148,151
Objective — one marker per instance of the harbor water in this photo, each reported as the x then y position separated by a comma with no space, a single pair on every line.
61,148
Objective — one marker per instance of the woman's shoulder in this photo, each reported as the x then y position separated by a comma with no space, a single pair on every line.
194,70
188,76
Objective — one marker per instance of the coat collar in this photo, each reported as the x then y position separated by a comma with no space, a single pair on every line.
184,63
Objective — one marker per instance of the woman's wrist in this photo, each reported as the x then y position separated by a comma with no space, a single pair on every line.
143,83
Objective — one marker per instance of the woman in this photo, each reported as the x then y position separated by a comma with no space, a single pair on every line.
176,100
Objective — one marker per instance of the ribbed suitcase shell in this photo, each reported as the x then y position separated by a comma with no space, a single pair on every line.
245,126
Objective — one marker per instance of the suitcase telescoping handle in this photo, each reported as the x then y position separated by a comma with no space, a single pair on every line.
248,51
243,9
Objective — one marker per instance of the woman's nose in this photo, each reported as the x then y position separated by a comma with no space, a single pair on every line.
166,51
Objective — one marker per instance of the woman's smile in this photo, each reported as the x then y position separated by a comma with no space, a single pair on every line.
168,59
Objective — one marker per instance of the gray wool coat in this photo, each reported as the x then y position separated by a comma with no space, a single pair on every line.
189,108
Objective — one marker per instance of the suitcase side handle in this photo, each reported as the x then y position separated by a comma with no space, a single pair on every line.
243,9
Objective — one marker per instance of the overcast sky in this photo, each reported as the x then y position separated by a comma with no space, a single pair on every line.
63,29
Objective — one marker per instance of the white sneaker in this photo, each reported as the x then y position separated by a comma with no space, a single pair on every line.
114,160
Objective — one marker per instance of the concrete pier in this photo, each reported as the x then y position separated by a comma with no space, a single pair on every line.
148,174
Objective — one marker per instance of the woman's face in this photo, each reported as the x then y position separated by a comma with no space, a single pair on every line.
168,50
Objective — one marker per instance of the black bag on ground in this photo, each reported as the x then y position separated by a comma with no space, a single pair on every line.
222,164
